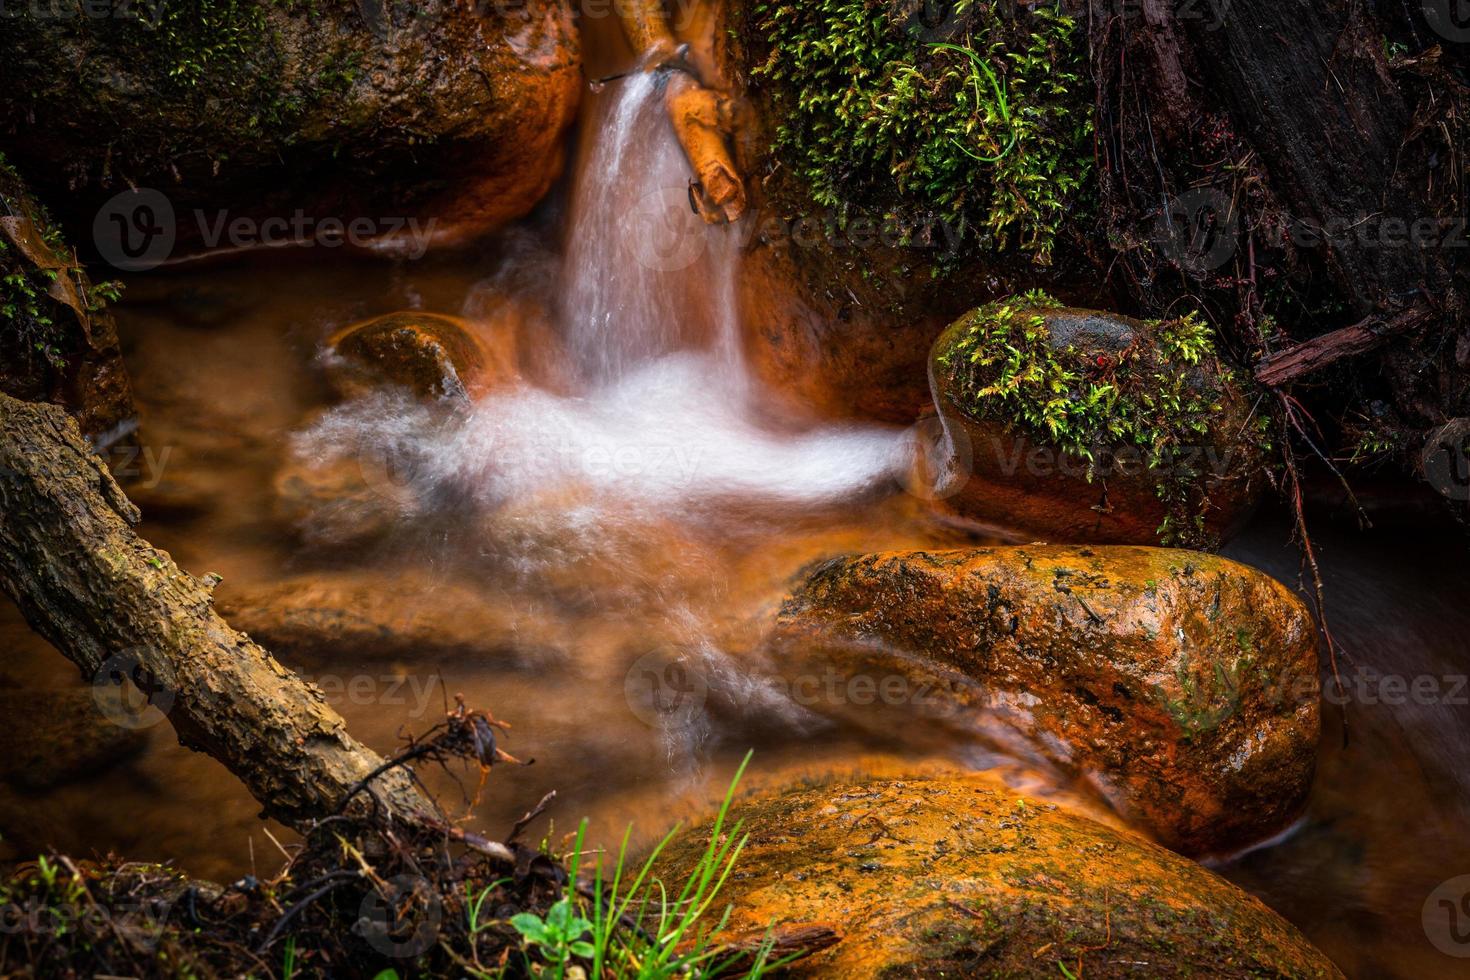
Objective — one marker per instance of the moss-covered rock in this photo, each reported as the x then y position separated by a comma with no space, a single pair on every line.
1080,426
437,110
1181,685
981,118
946,875
906,167
58,342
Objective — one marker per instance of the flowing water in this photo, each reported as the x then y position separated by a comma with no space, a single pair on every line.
621,518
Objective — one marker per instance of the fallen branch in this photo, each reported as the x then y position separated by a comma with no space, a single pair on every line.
704,122
116,606
1294,362
646,26
703,119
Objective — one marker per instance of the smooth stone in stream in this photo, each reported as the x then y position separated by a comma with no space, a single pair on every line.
945,875
1182,685
397,614
431,355
59,736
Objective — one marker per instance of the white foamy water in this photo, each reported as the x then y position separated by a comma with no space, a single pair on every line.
663,415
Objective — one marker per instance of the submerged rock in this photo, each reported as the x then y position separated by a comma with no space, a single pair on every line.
451,114
57,736
1184,686
400,615
1079,426
432,355
343,500
948,875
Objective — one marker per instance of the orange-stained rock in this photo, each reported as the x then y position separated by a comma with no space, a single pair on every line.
1182,685
404,614
451,114
958,876
1020,479
823,339
432,355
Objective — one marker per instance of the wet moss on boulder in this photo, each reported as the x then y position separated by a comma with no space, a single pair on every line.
1081,426
907,161
975,113
947,875
1182,686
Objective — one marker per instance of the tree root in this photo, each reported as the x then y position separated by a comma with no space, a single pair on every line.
703,119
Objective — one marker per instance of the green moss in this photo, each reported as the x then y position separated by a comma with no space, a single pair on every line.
986,127
228,55
1161,394
28,330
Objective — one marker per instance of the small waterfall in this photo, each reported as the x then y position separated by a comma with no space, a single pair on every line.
643,275
661,417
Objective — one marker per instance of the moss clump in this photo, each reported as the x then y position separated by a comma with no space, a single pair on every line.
231,56
985,126
1162,394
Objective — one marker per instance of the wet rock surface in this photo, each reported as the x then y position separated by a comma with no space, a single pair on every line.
366,615
949,875
431,355
58,342
1181,685
440,111
60,736
1080,426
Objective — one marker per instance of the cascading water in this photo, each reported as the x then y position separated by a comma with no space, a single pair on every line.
624,512
648,433
661,411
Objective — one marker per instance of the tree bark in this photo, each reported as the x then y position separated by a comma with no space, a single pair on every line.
112,603
1290,364
1307,83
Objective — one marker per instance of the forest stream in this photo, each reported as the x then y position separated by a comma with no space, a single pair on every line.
588,526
